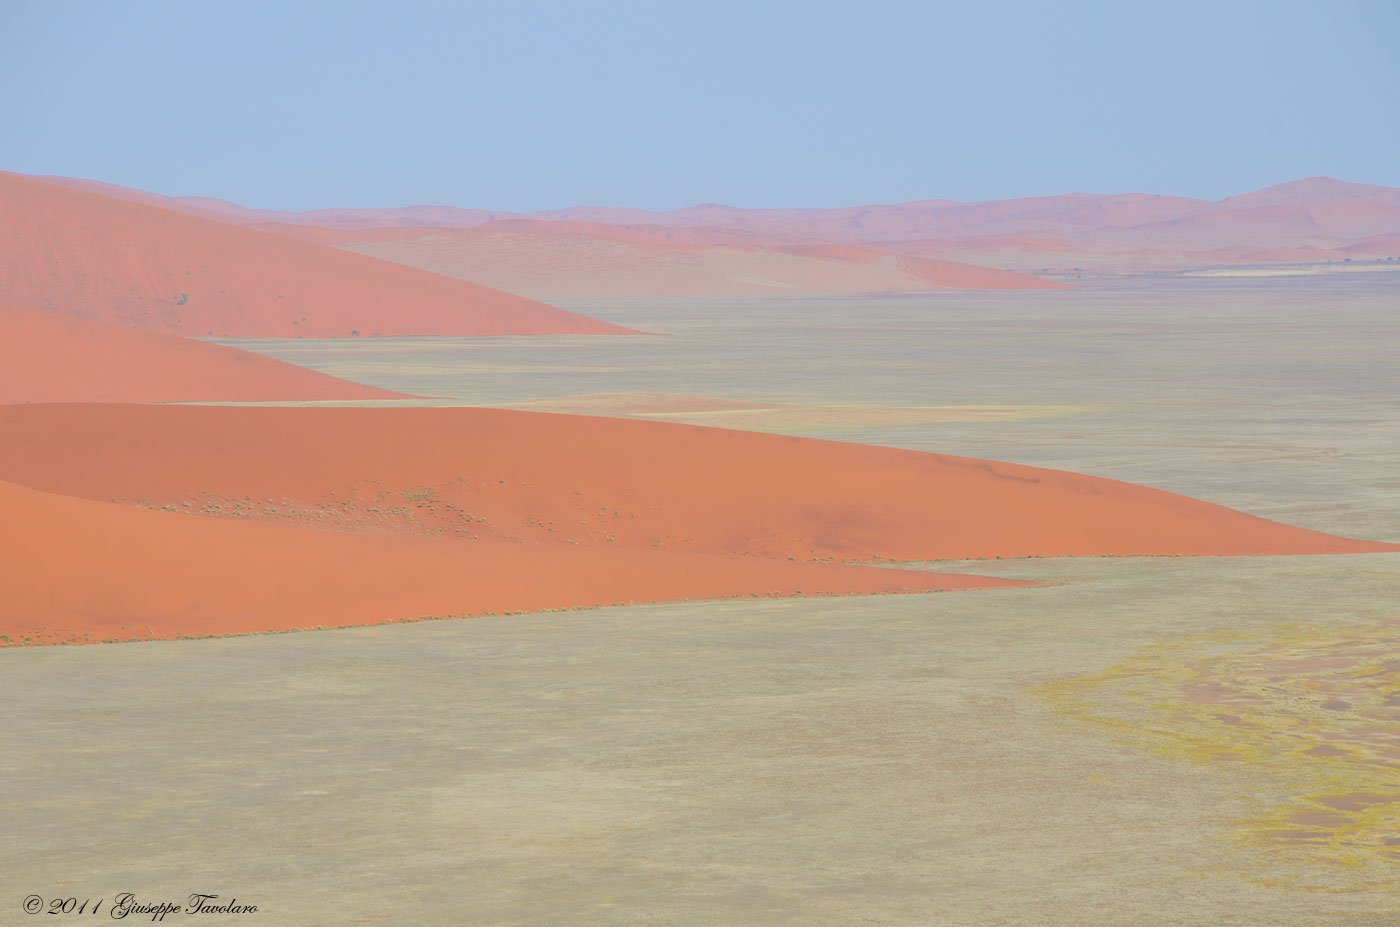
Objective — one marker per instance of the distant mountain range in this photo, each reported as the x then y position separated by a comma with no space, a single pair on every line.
1313,220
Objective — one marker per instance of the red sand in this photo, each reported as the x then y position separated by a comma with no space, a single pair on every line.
579,481
81,571
46,357
126,521
116,260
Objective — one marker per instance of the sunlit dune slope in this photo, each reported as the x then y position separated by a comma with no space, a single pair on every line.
78,570
93,256
569,480
47,357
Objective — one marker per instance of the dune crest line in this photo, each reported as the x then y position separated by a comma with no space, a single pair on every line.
97,257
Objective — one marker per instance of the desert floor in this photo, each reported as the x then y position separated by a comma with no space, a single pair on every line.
1149,741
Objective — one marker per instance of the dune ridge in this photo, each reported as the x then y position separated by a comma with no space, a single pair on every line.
47,357
552,479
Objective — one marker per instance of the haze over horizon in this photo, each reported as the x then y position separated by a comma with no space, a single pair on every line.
195,199
664,108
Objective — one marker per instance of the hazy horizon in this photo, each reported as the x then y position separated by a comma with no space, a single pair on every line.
565,207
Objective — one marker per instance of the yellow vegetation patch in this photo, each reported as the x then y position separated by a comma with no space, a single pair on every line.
1313,713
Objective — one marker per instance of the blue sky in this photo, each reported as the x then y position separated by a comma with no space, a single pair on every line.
529,105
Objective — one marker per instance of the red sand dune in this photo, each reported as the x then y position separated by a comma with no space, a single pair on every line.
77,570
92,256
127,521
46,357
572,480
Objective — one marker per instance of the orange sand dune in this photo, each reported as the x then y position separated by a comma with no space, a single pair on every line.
46,357
548,479
115,260
77,570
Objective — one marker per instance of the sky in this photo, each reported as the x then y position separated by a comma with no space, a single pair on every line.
525,105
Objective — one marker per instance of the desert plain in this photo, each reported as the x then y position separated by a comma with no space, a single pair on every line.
1073,603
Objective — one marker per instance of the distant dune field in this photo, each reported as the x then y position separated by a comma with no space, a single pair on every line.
563,260
1318,219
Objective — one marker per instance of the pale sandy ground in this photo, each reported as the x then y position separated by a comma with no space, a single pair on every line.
1299,270
855,761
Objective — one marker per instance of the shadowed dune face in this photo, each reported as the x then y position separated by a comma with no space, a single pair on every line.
542,479
115,260
79,571
47,357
